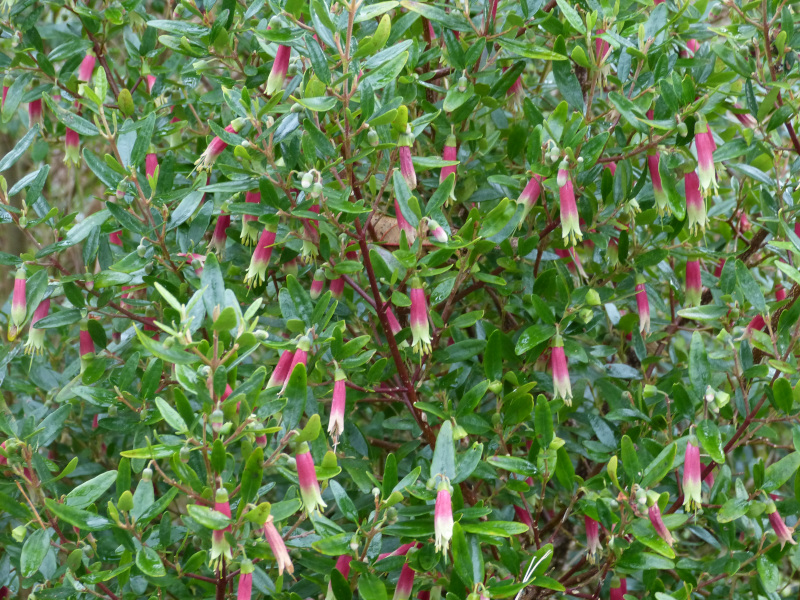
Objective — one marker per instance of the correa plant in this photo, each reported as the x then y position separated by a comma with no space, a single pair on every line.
445,300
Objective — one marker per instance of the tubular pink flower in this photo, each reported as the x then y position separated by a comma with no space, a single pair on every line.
443,518
438,232
450,152
336,423
403,224
115,238
695,204
151,81
337,287
420,332
86,343
530,195
705,146
719,267
278,547
307,476
72,147
281,372
780,292
300,357
217,147
219,545
401,550
343,566
691,476
694,284
219,238
245,589
394,325
658,190
35,112
745,118
592,537
404,584
35,343
318,284
86,69
654,512
407,166
612,166
756,324
19,306
249,222
643,304
257,271
7,83
619,587
570,224
150,164
692,46
523,516
779,526
277,76
517,94
558,363
601,47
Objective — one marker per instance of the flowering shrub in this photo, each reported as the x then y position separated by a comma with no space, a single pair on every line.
476,300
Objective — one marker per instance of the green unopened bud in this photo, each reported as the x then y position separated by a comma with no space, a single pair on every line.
683,131
185,454
19,533
497,418
496,387
649,391
307,180
125,102
372,138
112,410
459,432
592,298
147,474
463,83
125,503
216,419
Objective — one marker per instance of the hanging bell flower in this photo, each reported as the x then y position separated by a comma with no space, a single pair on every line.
558,362
404,144
693,283
530,194
220,548
443,518
336,424
592,537
19,306
570,223
35,343
643,305
250,222
307,476
280,68
278,547
692,486
281,372
420,330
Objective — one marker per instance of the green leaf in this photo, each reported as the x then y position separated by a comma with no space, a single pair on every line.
295,394
461,557
82,230
19,148
371,587
171,415
444,456
769,573
78,124
82,519
528,50
779,473
533,336
496,528
343,501
33,552
750,289
317,103
515,464
659,466
699,367
571,15
208,517
170,354
711,440
733,509
89,492
630,459
543,421
50,428
148,560
179,27
635,561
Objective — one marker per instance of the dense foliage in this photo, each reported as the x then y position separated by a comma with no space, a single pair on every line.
476,300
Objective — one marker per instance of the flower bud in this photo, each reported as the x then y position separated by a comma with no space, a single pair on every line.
125,503
125,102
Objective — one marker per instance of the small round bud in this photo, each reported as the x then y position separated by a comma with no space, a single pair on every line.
125,503
184,454
376,492
496,387
112,410
316,190
683,131
497,419
147,474
216,419
463,83
372,138
306,181
592,298
19,533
